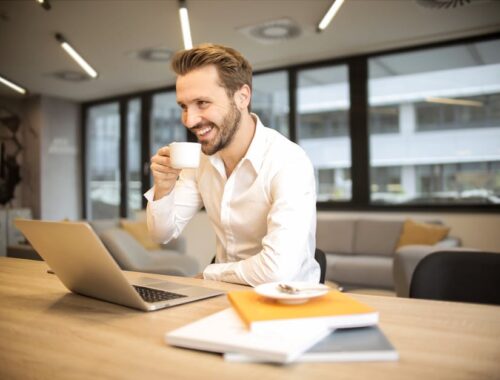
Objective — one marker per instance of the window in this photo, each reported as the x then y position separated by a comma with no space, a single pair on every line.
103,134
323,128
166,125
442,107
270,100
428,139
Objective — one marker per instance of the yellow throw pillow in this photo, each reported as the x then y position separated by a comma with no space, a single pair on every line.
421,233
139,230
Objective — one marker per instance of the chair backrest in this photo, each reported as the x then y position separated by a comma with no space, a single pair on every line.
464,276
320,257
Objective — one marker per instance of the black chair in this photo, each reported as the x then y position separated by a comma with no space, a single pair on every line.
320,257
463,276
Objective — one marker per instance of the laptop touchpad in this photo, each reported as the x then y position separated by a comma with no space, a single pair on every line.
158,284
167,285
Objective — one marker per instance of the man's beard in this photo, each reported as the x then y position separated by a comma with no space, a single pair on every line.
225,132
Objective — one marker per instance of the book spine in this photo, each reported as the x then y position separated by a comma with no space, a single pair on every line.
363,320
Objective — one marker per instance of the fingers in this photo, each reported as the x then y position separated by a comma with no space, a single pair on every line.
163,173
160,162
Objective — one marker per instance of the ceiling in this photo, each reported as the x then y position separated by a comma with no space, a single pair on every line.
108,33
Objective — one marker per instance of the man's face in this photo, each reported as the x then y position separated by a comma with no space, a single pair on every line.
207,111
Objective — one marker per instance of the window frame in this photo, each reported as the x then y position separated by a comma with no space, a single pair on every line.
359,132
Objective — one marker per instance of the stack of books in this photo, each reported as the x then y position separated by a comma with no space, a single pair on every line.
333,327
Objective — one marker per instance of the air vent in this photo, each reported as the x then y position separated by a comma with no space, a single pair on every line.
446,4
272,31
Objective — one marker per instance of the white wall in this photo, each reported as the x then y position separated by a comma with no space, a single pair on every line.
61,156
50,165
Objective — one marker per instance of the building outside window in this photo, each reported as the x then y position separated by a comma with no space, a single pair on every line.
270,100
446,146
323,128
166,125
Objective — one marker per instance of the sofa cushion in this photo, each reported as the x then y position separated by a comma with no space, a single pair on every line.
335,235
365,271
376,237
139,230
421,233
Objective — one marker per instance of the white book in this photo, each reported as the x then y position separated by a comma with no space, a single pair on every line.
225,332
363,344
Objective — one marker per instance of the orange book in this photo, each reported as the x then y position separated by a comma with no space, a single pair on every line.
333,310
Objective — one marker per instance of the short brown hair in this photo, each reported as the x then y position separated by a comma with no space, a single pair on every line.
233,69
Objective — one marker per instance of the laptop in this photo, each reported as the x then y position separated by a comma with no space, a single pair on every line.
83,264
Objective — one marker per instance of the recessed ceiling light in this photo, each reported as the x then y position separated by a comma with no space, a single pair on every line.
155,54
273,31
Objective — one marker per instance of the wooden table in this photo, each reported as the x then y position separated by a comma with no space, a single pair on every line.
48,333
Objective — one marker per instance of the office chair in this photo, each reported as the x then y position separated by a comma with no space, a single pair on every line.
463,276
320,257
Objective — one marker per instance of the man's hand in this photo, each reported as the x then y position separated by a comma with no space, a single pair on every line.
164,175
199,275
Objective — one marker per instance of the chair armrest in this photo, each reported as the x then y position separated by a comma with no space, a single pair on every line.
178,245
449,242
405,260
131,255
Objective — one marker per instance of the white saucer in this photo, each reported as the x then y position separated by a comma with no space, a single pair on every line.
272,291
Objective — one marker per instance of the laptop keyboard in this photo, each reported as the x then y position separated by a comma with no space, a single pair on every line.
155,295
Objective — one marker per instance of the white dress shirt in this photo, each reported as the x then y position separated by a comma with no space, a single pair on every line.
264,214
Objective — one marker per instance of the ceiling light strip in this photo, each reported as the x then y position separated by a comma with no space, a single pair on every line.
186,29
77,57
12,85
327,18
454,102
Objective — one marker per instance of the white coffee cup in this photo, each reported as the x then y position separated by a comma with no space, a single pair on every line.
184,155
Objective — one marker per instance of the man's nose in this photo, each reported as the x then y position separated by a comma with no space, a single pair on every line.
191,118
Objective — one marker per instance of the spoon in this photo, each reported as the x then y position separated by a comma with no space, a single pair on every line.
289,289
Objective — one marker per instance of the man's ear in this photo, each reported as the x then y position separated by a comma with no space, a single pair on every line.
243,96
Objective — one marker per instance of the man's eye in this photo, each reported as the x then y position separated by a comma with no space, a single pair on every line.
202,103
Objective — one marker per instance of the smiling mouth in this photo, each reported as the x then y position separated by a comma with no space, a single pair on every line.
203,131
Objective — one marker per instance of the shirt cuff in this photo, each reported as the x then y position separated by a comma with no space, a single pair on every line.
227,272
163,203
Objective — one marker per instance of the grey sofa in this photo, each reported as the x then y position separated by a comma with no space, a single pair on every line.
131,255
360,251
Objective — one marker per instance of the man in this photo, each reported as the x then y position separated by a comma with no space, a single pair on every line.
257,187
